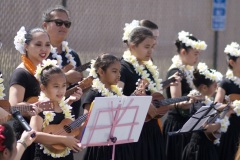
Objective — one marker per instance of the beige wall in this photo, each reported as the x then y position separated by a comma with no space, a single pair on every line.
98,26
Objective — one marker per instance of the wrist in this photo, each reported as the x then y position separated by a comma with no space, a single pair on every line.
22,143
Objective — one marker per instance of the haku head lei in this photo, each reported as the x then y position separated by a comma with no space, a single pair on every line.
233,49
184,38
19,40
44,64
211,74
129,27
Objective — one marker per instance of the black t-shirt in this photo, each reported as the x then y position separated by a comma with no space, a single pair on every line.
25,79
90,96
129,77
229,86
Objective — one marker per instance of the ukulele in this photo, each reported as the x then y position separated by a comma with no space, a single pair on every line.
84,85
233,97
7,108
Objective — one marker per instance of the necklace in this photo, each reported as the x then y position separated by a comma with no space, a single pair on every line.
154,86
28,64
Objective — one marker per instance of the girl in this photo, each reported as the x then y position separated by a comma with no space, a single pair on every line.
9,148
135,65
230,85
106,71
200,147
34,47
53,87
188,48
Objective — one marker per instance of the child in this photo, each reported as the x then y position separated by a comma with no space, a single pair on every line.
106,71
53,87
200,147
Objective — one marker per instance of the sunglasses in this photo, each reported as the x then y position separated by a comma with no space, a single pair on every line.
59,22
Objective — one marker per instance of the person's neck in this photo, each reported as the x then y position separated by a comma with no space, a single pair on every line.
236,73
58,45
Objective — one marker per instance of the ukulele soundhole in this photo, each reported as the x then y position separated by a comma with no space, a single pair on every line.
67,129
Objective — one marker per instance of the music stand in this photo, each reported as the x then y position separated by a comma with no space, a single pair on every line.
195,123
115,120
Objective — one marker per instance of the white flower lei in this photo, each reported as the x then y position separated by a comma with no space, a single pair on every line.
104,91
213,75
187,69
236,105
235,79
233,49
19,40
155,86
49,116
224,123
207,101
184,38
92,71
44,64
129,27
2,94
67,55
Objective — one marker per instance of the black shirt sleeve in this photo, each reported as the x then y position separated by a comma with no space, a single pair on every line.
90,96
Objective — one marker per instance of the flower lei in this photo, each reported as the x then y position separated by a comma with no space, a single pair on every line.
44,64
129,28
235,79
2,94
67,55
115,90
233,49
184,38
154,86
91,70
19,40
28,64
49,116
187,69
211,74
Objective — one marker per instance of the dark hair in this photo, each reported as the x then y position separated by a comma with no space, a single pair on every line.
29,34
58,8
47,72
104,60
181,45
9,137
139,34
148,24
229,57
199,79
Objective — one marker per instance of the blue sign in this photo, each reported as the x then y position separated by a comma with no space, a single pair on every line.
219,15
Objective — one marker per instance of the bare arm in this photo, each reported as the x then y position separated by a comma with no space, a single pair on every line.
220,95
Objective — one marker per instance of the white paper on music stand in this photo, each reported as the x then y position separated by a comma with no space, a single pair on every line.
192,121
99,137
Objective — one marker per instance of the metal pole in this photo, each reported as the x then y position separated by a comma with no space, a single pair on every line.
215,50
64,3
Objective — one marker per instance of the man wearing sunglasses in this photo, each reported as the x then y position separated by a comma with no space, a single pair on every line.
56,21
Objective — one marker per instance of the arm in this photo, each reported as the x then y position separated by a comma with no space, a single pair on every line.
220,95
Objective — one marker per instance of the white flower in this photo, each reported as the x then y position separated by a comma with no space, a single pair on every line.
233,49
211,74
224,123
154,86
43,65
184,38
19,40
129,27
115,90
216,141
67,55
235,79
92,70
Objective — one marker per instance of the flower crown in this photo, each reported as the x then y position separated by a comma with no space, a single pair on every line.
233,49
129,27
19,40
92,70
43,65
211,74
184,38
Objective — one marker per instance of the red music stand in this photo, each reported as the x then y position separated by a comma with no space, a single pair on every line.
115,120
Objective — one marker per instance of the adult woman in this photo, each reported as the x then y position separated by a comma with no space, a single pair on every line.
34,47
188,48
230,85
10,149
